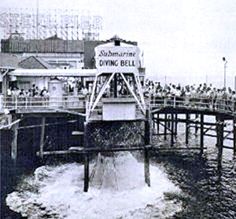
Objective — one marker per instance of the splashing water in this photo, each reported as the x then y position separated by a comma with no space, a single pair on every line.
117,190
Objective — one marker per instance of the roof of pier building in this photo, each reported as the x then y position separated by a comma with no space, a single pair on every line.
34,62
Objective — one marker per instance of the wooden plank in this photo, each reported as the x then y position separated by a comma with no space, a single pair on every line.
187,128
177,149
146,167
92,150
172,130
42,135
14,142
234,143
147,137
77,133
86,172
202,133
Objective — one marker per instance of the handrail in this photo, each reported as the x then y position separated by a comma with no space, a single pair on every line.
216,105
65,102
79,101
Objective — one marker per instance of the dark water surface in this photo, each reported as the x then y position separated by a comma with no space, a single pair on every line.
209,190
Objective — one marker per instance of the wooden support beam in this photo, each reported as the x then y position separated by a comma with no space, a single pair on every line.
146,167
196,124
187,129
172,130
86,172
176,148
228,147
115,85
190,121
160,134
201,133
77,133
158,123
82,150
14,142
220,137
234,144
42,135
165,126
147,137
176,124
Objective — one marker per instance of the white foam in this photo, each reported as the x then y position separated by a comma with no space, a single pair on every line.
117,190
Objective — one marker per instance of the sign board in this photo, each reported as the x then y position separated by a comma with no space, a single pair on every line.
117,59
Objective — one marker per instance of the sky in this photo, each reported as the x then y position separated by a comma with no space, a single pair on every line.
183,40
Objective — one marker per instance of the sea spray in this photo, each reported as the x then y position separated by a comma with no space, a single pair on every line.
117,190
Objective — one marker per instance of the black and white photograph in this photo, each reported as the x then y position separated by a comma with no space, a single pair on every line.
118,109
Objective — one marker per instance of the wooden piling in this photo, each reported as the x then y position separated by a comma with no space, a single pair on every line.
158,124
86,172
147,141
165,126
42,135
234,141
14,142
172,130
196,124
201,133
220,137
187,129
176,124
146,167
147,137
86,159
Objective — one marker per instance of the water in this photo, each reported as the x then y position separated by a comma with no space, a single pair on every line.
183,185
117,190
210,190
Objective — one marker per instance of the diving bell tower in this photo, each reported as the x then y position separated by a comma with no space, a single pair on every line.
117,91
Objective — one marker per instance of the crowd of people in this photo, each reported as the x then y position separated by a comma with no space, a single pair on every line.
14,91
191,93
154,90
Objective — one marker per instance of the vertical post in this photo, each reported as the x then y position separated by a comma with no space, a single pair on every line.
165,128
196,123
217,130
220,136
158,123
234,123
201,132
14,142
86,172
146,154
172,129
147,136
115,85
187,129
42,134
153,124
86,159
146,166
176,124
4,84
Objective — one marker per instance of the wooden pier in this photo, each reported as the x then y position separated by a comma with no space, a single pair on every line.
106,113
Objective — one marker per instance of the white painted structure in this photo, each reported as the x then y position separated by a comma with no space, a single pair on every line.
55,89
117,65
116,109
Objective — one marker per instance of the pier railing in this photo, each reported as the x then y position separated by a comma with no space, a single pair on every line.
27,103
219,105
154,102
